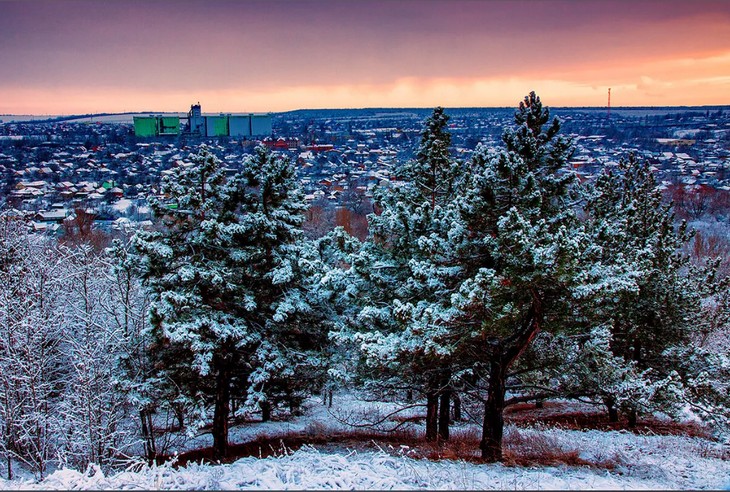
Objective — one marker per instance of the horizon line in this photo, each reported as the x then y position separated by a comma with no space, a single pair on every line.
112,113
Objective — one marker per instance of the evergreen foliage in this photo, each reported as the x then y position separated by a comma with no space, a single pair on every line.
521,252
433,173
229,309
400,277
660,311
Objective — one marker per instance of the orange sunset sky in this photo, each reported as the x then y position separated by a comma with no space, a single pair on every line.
64,56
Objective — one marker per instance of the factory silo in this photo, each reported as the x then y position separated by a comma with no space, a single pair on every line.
239,125
260,124
216,126
145,126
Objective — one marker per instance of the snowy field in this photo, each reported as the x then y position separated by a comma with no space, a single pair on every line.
657,463
635,462
110,118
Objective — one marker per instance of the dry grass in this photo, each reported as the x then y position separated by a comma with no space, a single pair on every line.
707,449
523,444
520,448
315,434
532,448
558,415
524,448
463,444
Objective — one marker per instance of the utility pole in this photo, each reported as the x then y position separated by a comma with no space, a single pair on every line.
608,112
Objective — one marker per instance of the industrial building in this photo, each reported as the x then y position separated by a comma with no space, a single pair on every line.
211,125
228,124
156,125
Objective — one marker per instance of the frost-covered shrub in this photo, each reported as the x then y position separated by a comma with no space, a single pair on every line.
59,352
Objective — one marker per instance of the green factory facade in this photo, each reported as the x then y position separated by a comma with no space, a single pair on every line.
155,126
219,125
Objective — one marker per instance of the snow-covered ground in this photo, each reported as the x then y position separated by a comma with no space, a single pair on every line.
638,462
658,463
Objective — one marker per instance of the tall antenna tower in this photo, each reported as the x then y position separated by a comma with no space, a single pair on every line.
608,112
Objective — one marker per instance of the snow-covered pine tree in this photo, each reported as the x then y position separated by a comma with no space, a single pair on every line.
661,306
334,253
230,310
578,364
705,376
188,270
520,248
282,276
433,173
400,278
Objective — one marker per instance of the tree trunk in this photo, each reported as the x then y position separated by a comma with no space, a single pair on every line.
220,415
502,354
637,358
432,403
632,418
290,403
457,407
179,415
266,410
444,415
330,397
612,414
493,428
539,403
611,407
151,428
149,439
